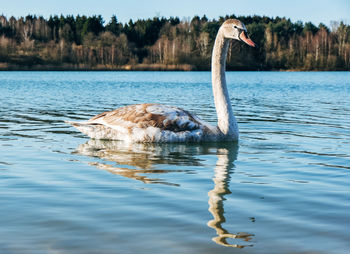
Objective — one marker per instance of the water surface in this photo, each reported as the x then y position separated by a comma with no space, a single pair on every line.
284,188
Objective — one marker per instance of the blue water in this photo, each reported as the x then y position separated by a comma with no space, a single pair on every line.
284,188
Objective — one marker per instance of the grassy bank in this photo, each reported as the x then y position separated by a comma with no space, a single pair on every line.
82,67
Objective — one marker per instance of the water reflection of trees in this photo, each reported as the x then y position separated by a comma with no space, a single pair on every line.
140,161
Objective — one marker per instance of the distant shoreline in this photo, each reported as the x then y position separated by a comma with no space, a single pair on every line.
138,67
88,43
71,67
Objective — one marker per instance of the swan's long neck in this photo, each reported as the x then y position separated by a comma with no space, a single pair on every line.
226,120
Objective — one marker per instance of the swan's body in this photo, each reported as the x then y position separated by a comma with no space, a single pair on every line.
162,123
148,123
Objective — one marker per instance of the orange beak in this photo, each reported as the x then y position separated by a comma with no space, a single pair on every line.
244,37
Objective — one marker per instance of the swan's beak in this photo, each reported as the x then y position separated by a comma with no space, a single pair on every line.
244,37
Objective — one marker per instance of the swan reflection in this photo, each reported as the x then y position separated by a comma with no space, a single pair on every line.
140,162
137,160
224,167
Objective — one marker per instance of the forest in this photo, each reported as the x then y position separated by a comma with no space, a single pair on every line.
90,43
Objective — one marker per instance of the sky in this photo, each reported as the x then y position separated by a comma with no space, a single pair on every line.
316,11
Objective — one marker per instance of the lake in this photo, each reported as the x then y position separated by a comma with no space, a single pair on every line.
283,188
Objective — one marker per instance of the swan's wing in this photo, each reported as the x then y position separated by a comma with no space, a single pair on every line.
147,123
149,115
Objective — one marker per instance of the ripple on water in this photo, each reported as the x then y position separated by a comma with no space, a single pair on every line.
282,189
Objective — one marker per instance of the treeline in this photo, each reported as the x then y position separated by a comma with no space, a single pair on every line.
81,42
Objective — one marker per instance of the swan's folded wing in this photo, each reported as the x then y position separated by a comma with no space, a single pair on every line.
149,115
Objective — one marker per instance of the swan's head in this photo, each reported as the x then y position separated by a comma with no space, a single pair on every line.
235,29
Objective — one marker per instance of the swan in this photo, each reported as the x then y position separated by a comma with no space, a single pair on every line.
162,123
